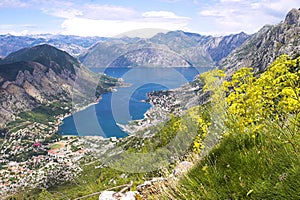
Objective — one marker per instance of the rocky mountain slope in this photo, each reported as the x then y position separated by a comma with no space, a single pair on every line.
150,57
42,74
220,47
74,45
262,48
175,48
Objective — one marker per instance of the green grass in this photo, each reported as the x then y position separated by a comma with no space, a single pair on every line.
55,146
93,180
245,167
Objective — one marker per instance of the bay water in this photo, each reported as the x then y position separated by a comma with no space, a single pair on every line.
127,103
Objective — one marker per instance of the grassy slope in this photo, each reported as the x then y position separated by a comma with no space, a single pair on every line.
244,167
259,163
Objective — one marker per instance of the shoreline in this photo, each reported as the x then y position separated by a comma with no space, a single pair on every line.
70,113
81,108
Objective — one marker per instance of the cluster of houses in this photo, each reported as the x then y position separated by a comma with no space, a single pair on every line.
166,100
30,156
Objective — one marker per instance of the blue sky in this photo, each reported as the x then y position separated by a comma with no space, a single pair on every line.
109,18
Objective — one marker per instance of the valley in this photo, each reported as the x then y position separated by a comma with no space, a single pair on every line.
196,113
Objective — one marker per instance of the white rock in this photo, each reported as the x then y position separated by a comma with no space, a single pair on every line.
182,168
107,195
111,195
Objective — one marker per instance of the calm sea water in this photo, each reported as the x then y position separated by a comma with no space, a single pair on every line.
126,103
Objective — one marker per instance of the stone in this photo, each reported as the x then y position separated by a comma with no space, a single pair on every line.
182,168
112,195
293,17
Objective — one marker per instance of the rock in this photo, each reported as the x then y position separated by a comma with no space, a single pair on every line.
147,184
123,176
263,47
182,168
107,195
293,17
112,195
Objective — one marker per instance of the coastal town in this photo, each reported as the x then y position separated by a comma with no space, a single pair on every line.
37,157
164,103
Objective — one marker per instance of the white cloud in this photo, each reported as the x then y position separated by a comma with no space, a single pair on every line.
170,1
12,4
67,10
227,1
231,16
162,14
67,13
88,19
92,11
196,2
110,20
109,28
16,29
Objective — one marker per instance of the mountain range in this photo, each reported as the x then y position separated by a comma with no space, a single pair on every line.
74,45
175,48
172,49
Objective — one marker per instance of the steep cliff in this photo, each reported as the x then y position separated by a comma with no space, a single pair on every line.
263,47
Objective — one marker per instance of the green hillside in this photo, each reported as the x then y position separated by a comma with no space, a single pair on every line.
258,156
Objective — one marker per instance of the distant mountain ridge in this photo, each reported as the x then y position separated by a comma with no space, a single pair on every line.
74,45
193,48
150,57
263,47
42,74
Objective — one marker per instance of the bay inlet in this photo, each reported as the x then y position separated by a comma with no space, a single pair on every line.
127,103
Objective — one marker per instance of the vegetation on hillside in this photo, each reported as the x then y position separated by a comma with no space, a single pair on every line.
99,175
259,154
247,138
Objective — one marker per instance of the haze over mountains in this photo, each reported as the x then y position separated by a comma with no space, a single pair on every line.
74,45
175,48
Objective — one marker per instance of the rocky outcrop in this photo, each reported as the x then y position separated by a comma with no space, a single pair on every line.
263,47
182,168
220,47
293,17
